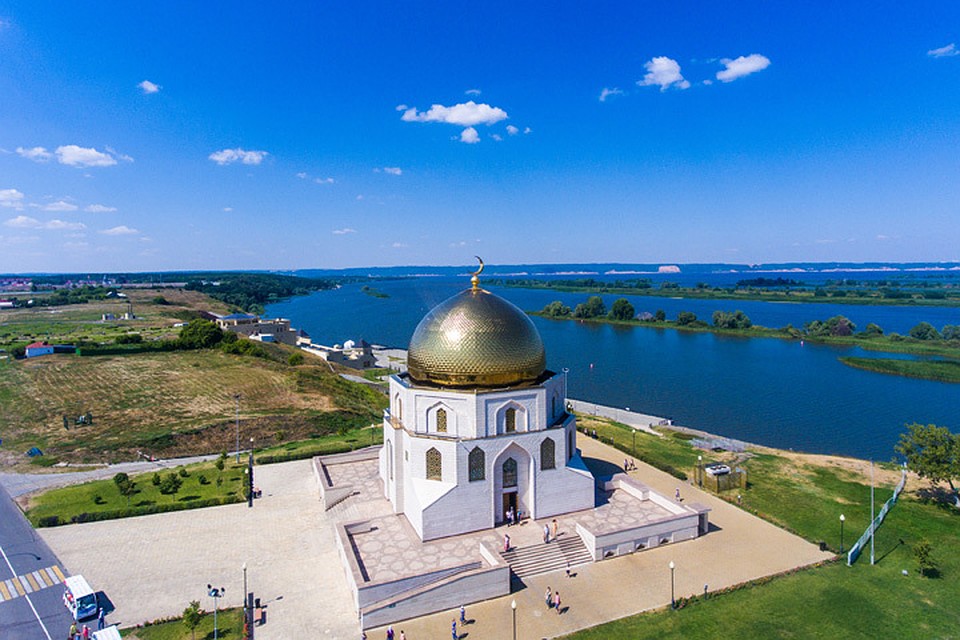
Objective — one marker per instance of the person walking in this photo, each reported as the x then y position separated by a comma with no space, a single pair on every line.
403,636
463,615
453,629
556,602
548,596
506,542
546,533
85,634
390,633
556,528
100,619
678,494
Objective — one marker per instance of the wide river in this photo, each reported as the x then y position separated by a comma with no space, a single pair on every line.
770,391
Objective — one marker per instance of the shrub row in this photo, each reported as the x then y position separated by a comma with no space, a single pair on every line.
54,521
306,452
662,466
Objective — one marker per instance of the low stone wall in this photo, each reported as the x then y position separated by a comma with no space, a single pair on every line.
684,523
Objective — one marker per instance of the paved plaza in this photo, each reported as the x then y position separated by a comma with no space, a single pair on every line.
152,566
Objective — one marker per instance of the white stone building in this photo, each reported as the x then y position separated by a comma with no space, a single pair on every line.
478,427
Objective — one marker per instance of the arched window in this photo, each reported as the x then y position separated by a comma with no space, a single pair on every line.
441,420
399,408
509,472
434,465
477,463
510,420
548,454
571,444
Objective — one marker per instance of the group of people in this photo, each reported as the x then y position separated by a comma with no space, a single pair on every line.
553,600
84,633
513,516
629,465
551,531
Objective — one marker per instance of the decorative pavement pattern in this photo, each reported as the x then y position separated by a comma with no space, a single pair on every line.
30,582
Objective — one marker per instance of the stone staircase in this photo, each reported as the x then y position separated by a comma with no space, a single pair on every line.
567,551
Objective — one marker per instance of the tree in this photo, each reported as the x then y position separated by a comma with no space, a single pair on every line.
621,310
924,331
923,552
951,332
191,617
170,484
592,308
125,485
556,309
200,334
660,315
934,453
735,320
295,359
686,317
872,330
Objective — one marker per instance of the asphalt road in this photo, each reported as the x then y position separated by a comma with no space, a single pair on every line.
39,615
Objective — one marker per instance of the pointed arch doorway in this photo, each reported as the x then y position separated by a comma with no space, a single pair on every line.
512,483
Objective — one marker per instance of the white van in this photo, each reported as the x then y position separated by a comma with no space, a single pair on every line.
79,598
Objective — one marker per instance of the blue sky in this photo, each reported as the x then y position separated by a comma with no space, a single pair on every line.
183,135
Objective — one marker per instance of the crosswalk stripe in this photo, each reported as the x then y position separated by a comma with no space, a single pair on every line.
18,586
32,579
42,573
4,591
26,583
57,571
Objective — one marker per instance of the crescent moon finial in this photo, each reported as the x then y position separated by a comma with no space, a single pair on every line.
475,278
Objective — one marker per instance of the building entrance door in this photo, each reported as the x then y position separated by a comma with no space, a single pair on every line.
509,502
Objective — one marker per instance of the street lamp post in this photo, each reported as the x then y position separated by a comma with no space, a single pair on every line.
513,607
842,519
216,594
236,399
673,600
250,477
700,470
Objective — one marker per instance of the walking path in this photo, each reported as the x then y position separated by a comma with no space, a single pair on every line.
639,421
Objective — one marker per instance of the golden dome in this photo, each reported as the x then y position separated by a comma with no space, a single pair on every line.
475,339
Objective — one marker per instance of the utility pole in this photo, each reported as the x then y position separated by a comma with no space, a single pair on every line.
872,517
236,399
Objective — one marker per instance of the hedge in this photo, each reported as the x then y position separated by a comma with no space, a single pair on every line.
54,521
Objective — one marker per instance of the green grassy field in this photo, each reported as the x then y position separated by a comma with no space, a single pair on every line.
229,627
101,497
941,370
806,495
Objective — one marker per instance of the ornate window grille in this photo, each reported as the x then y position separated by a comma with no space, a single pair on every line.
548,454
510,420
441,420
434,465
477,464
509,472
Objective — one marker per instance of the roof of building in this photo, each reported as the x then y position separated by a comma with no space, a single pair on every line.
476,339
238,316
37,345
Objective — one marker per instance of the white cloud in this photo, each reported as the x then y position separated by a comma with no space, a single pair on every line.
59,205
229,156
60,225
75,156
399,245
26,222
149,87
947,51
606,93
394,171
122,230
527,130
99,208
227,209
11,199
360,197
466,114
512,130
401,107
469,136
303,175
344,231
37,154
497,137
663,72
472,92
455,245
742,66
324,180
23,222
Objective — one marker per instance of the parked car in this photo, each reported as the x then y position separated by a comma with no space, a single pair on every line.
716,469
79,598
